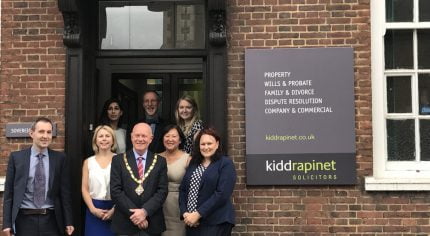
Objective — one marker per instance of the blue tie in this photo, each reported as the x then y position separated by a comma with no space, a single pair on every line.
39,182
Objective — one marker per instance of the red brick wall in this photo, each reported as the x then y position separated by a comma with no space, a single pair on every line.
313,210
32,68
32,79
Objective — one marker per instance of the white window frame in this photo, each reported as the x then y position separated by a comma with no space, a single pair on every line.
393,175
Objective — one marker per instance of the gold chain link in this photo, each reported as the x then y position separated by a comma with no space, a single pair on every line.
140,181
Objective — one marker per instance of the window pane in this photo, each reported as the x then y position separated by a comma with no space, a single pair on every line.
398,49
401,140
423,49
399,97
154,25
424,94
425,139
186,35
424,10
399,10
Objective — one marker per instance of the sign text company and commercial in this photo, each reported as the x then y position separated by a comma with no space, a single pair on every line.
300,116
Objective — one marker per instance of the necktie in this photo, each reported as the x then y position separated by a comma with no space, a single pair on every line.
140,166
39,182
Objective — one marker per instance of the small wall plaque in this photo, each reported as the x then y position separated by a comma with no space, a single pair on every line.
22,130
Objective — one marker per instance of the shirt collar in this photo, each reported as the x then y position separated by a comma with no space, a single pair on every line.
136,155
34,151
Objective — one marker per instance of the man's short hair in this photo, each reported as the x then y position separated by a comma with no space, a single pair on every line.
152,91
40,119
139,122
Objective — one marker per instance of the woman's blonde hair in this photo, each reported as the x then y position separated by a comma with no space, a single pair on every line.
110,131
186,128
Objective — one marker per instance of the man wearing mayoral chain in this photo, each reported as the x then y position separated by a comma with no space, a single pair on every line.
139,187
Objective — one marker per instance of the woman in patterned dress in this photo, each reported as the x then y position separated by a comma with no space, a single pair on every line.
187,118
206,189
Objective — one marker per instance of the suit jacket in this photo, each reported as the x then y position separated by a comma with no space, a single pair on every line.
156,145
122,188
216,188
58,188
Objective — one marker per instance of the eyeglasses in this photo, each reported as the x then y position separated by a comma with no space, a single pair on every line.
150,101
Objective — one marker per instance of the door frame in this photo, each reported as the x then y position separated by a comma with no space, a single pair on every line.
80,73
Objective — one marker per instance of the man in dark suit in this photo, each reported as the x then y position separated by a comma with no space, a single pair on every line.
37,198
139,187
150,102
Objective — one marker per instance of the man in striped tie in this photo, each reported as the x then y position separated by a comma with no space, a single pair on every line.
139,187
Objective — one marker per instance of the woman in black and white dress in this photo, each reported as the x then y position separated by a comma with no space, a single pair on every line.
206,189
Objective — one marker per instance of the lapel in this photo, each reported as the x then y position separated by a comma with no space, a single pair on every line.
214,166
52,167
149,160
26,158
131,159
205,174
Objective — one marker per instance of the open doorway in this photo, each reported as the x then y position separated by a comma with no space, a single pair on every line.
129,87
128,78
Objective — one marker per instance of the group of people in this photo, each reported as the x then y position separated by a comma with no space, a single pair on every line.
186,117
173,180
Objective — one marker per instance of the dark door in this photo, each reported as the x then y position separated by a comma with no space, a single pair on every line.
170,86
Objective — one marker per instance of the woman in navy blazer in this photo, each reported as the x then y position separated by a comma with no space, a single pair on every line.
206,189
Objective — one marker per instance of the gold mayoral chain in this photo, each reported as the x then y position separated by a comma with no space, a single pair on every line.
139,190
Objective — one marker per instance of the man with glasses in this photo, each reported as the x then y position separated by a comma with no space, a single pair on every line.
150,102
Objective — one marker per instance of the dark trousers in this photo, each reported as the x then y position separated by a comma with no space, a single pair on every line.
140,234
210,230
37,225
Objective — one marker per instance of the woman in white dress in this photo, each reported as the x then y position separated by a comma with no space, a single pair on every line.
96,183
177,161
111,115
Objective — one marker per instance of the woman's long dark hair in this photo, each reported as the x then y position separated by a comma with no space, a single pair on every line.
104,119
166,130
197,157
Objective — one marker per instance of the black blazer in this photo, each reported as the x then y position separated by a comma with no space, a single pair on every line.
157,143
58,188
216,188
122,189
